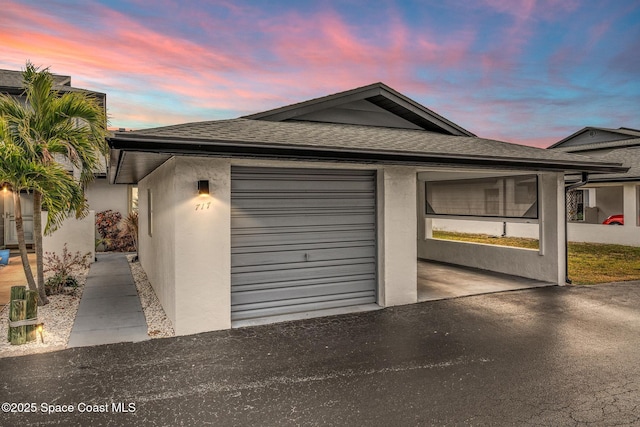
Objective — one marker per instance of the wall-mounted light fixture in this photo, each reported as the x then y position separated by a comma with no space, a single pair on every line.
203,187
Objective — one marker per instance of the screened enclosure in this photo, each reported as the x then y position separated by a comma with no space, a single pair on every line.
500,197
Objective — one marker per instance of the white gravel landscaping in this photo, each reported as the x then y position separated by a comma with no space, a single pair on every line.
58,317
158,324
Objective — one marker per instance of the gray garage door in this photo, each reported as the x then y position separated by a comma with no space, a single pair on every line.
301,240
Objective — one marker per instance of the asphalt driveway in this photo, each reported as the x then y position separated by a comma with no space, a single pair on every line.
546,356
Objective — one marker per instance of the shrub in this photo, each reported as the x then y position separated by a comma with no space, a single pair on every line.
56,284
131,229
112,236
64,269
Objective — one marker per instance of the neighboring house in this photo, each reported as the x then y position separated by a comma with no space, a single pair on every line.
78,234
327,204
605,194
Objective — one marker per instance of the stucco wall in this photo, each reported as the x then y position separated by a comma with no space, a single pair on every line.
492,228
547,263
598,233
398,229
188,256
102,196
202,245
78,234
157,252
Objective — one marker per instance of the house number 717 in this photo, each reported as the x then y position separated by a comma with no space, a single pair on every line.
203,206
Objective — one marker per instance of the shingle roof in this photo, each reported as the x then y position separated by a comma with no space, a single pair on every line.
600,145
629,157
347,140
13,78
343,137
11,82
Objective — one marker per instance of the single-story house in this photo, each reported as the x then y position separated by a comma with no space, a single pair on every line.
605,194
80,235
327,204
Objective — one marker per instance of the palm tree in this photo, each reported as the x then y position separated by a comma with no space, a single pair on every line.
60,192
52,127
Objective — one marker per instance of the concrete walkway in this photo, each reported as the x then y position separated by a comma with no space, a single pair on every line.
110,310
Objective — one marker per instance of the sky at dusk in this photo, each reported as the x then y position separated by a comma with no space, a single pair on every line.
524,71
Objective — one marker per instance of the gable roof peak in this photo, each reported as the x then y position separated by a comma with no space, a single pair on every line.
624,132
379,95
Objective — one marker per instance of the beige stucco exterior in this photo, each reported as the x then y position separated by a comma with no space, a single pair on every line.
187,254
187,257
77,234
102,196
397,233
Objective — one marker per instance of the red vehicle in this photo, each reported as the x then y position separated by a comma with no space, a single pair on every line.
614,220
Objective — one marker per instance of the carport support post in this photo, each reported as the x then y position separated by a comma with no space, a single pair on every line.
399,254
583,181
629,205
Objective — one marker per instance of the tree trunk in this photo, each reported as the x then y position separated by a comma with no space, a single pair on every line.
37,242
22,244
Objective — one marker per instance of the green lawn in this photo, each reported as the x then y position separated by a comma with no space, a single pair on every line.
589,263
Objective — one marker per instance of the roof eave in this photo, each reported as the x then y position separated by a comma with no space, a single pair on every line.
174,146
594,179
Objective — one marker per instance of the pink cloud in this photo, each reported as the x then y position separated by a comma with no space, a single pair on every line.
127,52
327,50
323,51
154,76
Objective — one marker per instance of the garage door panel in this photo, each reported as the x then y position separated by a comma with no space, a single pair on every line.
322,203
301,186
285,231
318,270
301,240
305,248
261,259
268,238
307,291
252,312
299,220
303,282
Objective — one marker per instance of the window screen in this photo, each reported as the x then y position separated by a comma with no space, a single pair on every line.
503,197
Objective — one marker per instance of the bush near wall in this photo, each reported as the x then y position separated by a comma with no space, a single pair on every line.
113,235
64,270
